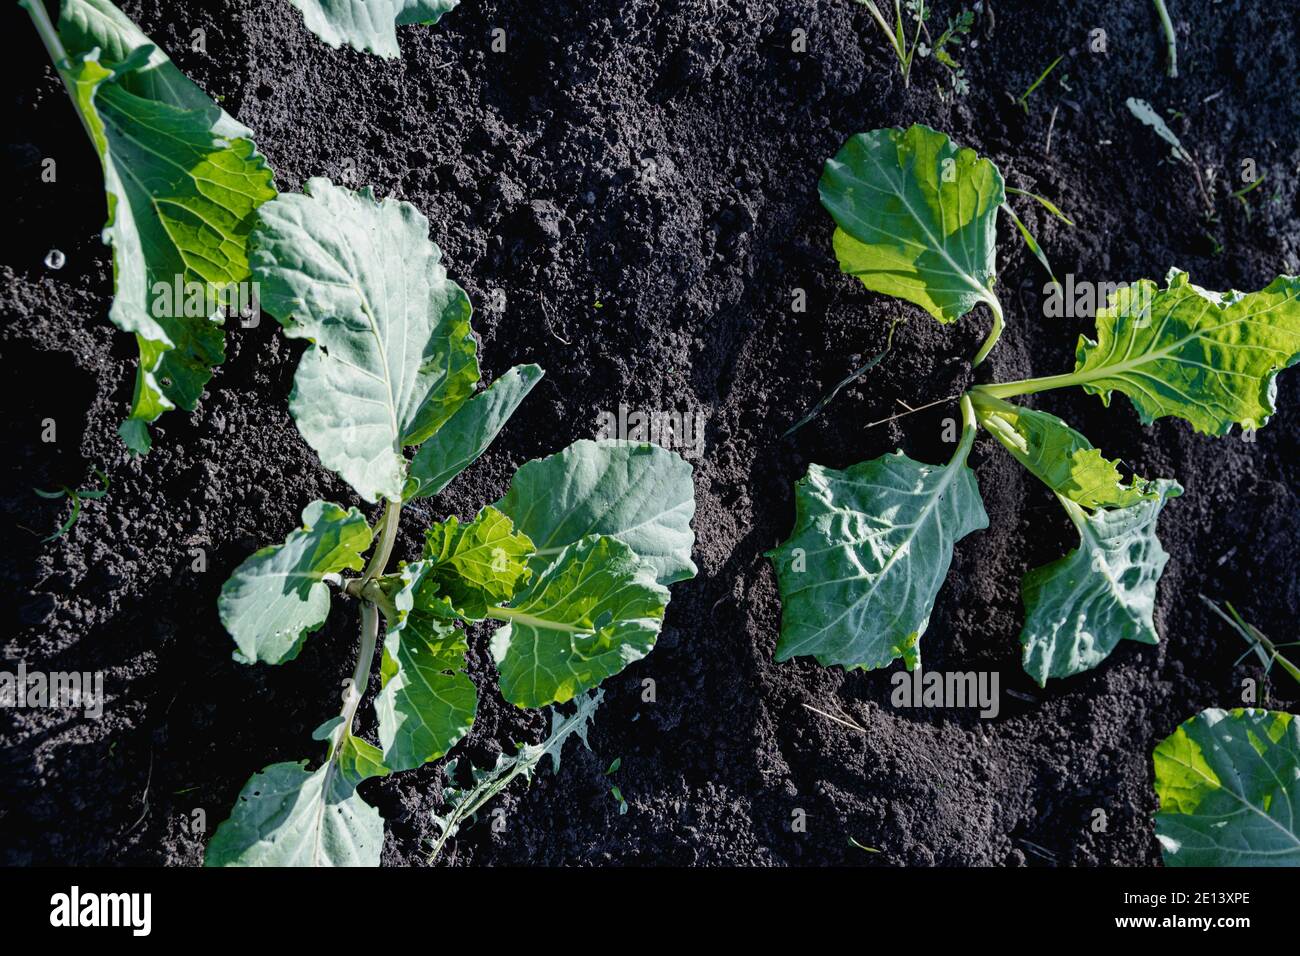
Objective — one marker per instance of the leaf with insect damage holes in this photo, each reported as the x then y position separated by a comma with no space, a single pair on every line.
181,199
1229,789
1060,457
278,595
392,355
595,609
916,218
870,549
287,815
640,493
1079,608
368,25
426,702
1207,357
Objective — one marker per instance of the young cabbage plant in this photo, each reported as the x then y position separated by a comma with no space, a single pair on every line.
1228,782
872,544
183,180
574,561
369,26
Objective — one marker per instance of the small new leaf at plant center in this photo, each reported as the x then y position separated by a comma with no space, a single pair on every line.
916,218
392,354
595,609
287,815
870,548
640,493
1229,789
475,565
427,701
181,199
368,25
278,595
469,431
1079,608
1060,457
1207,357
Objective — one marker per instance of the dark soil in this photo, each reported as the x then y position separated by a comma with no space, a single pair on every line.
660,158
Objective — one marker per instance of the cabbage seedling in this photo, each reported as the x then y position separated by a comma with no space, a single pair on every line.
872,544
574,561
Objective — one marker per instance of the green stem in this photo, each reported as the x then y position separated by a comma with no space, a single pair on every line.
54,46
994,333
384,549
361,673
1254,635
1171,41
1028,386
372,597
968,428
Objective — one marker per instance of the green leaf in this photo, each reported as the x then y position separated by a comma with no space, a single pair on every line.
583,618
1206,357
87,24
368,25
469,431
1060,457
289,816
1079,608
640,493
427,701
392,354
181,198
476,564
917,218
278,595
870,549
1229,790
358,759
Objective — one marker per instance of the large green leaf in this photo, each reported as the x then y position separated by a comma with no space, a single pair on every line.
469,431
427,701
917,218
181,199
1229,789
1207,357
393,355
595,609
287,815
278,595
870,548
640,493
475,565
1060,457
1079,608
368,25
87,24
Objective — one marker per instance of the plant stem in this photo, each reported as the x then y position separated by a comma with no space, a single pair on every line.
968,429
54,46
384,549
1028,386
994,333
1254,637
370,601
1171,42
